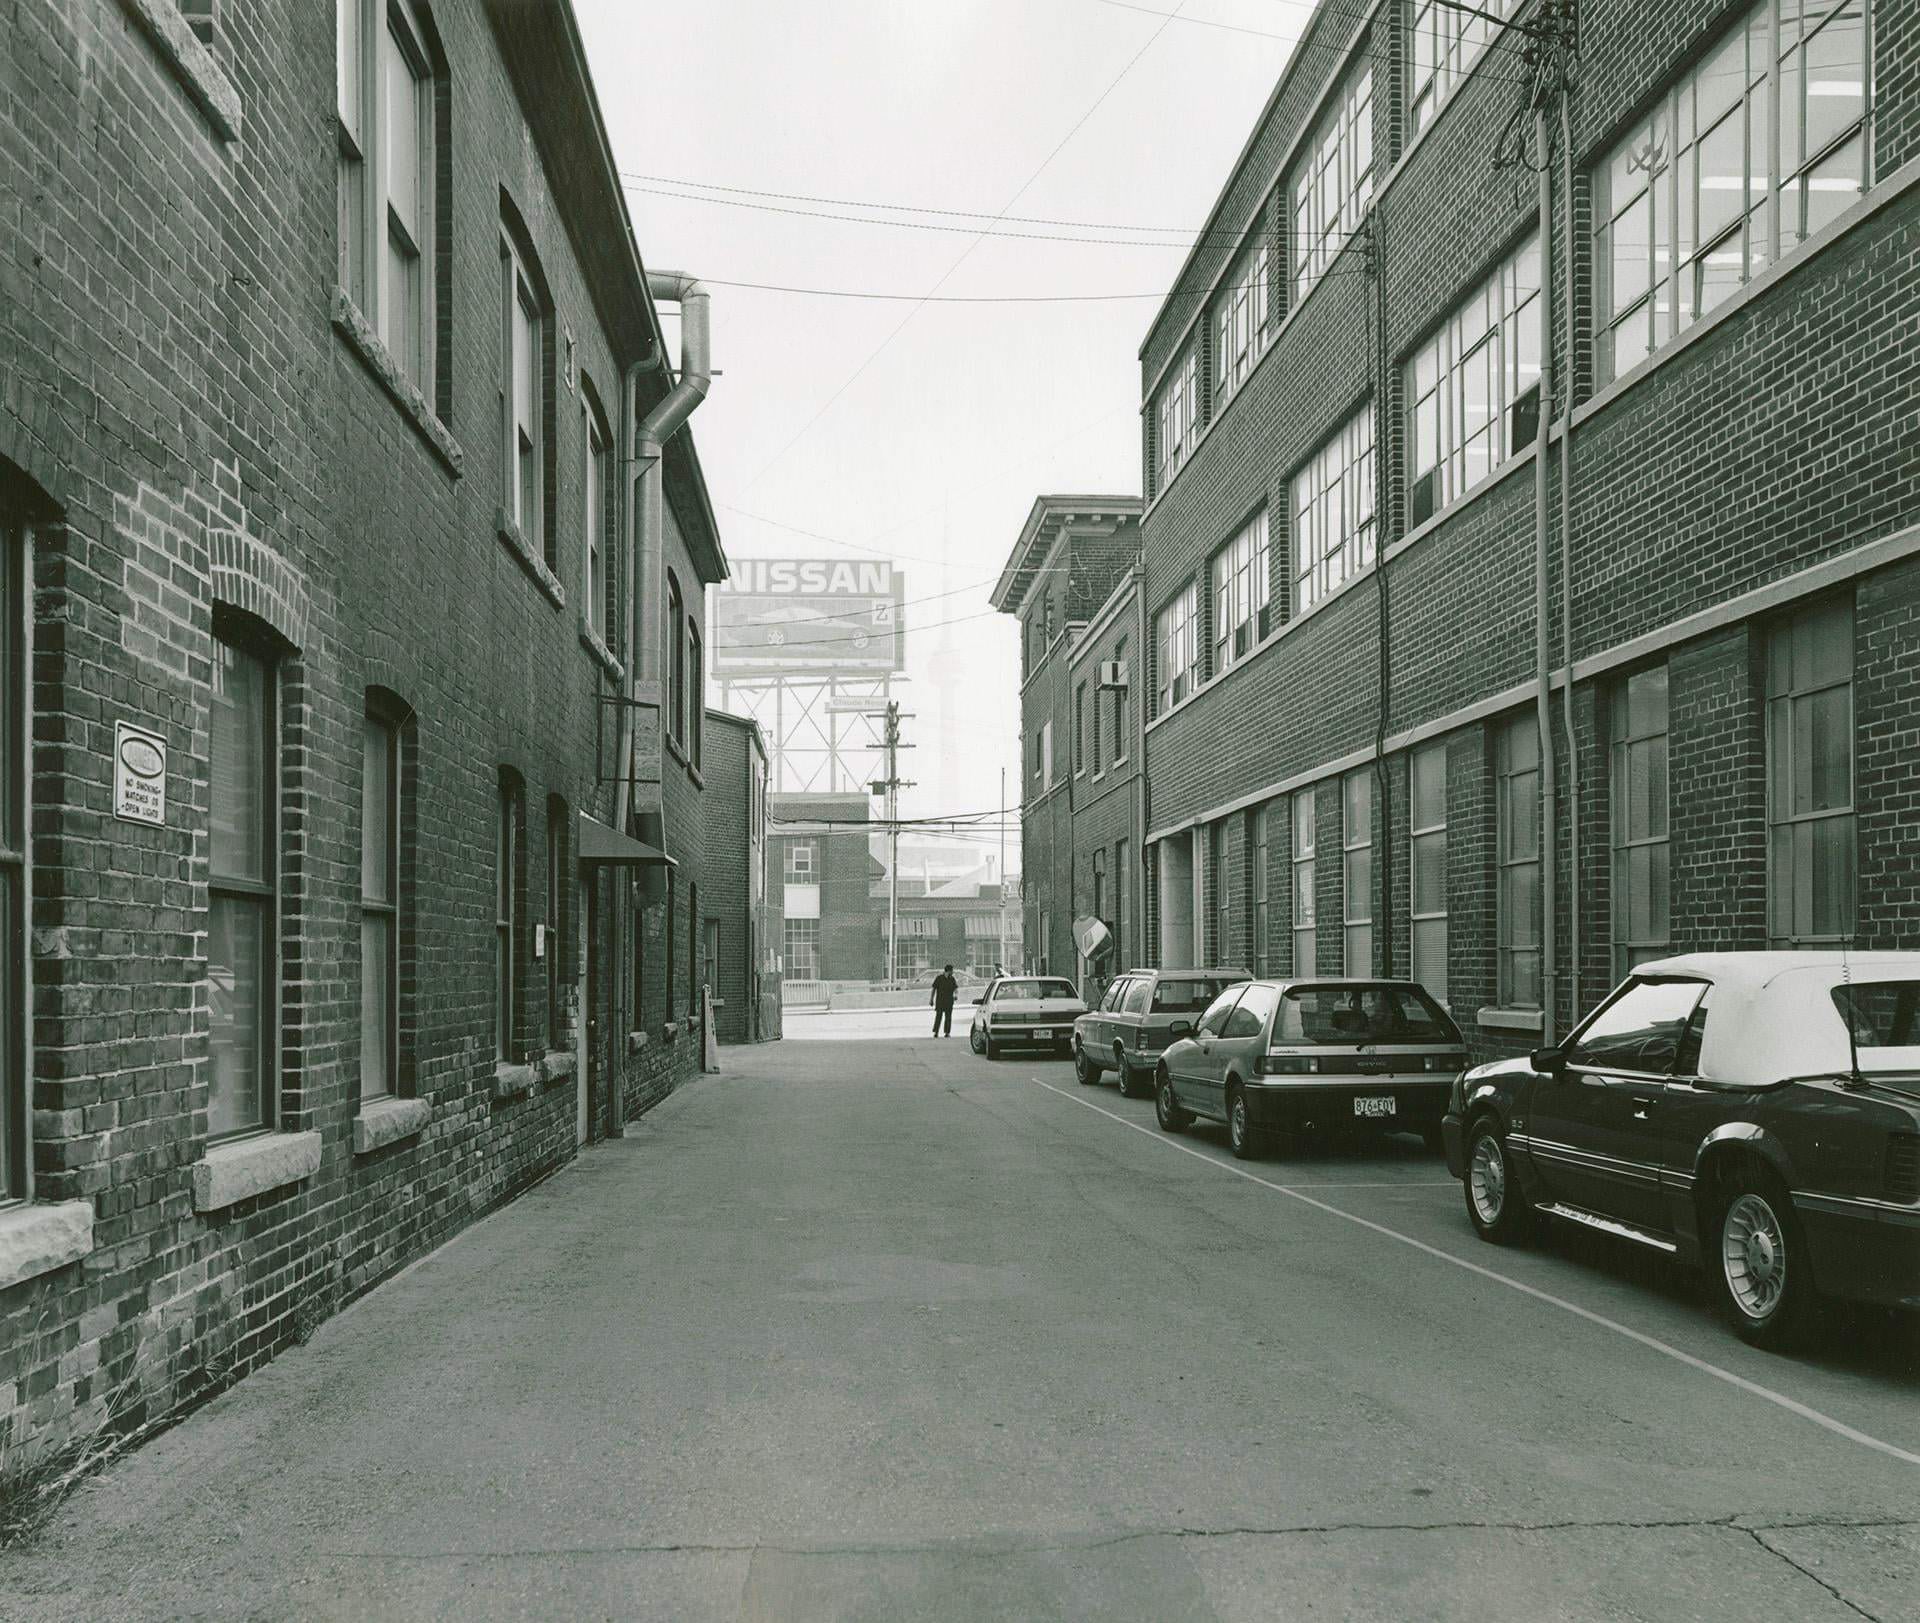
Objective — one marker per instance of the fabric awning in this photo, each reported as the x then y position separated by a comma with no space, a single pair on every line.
600,844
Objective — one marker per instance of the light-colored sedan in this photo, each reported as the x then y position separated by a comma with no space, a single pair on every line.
1025,1011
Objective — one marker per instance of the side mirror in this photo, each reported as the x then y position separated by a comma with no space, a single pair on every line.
1180,1027
979,1000
1548,1061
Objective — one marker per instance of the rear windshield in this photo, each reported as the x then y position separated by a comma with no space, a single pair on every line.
1189,996
1361,1014
1885,1016
1034,989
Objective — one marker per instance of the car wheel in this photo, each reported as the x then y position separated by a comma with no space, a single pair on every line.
1123,1072
1759,1263
1240,1134
974,1041
1085,1072
1171,1117
1495,1201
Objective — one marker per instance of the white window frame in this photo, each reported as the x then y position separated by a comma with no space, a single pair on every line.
1046,754
522,398
1427,933
380,908
1240,607
809,939
16,963
1240,319
1176,417
593,527
1512,859
1444,44
1303,817
1333,512
1640,834
1333,187
1356,871
1650,188
1463,383
1176,636
1795,695
798,868
400,296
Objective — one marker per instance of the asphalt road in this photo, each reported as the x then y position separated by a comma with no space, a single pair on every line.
874,1329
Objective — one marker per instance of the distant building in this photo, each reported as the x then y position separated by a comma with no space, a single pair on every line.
743,921
1070,570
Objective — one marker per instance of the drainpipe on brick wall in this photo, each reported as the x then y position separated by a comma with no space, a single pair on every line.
1566,566
649,444
1543,706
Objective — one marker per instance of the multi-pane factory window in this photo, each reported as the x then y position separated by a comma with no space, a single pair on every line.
1517,842
1641,928
1240,319
1176,635
1474,386
802,858
1260,882
15,960
522,397
1761,145
506,920
1333,527
1447,41
1240,615
243,925
1428,824
1332,188
1812,853
1176,417
1305,907
1356,869
803,949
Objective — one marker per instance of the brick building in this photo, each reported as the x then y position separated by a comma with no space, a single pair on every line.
314,549
1341,404
1070,568
742,919
819,865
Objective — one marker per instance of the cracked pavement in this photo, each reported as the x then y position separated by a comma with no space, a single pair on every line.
872,1329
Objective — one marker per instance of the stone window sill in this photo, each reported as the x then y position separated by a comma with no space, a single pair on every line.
555,1066
600,651
530,561
387,1121
36,1239
352,325
636,1040
190,62
671,1031
230,1173
1510,1019
514,1081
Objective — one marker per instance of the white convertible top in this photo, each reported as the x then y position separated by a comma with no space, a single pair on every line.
1773,1014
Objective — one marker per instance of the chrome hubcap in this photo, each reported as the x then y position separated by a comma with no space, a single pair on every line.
1239,1121
1165,1098
1487,1179
1753,1252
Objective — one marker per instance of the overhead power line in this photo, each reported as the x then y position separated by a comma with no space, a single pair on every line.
884,297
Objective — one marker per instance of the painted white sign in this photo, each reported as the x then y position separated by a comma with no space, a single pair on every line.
139,774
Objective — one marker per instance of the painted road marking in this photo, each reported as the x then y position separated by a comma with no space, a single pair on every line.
1792,1405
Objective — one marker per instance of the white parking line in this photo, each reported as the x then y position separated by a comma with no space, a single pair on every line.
1792,1405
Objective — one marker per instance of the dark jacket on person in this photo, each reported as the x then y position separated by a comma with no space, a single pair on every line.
945,990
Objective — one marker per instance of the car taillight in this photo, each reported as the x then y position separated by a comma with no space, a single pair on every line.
1287,1065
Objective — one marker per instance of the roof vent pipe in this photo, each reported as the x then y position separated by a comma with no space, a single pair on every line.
649,526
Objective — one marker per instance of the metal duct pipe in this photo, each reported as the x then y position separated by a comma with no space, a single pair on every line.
1566,562
1543,706
649,442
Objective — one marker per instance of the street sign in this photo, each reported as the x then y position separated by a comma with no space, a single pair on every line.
808,617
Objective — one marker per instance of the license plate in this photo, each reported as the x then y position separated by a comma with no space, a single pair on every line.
1043,1033
1374,1104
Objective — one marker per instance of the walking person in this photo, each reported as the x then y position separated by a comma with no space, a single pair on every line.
945,990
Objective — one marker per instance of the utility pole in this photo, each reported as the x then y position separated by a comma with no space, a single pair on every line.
890,787
1001,945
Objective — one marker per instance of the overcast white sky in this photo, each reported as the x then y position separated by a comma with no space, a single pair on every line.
934,452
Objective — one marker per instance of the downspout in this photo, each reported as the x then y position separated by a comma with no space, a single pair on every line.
1566,565
649,443
1137,749
1543,706
620,889
1383,784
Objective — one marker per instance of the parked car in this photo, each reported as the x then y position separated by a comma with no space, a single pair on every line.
1313,1056
1025,1011
1755,1114
1141,1012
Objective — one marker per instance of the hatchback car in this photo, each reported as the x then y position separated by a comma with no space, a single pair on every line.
1025,1011
1757,1114
1313,1055
1141,1012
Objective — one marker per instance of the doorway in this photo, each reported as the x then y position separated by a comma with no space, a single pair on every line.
586,1044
